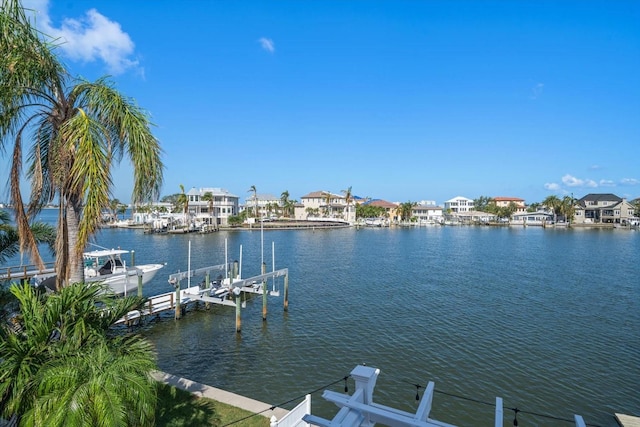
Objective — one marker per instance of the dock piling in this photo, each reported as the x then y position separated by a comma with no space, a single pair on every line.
264,294
178,309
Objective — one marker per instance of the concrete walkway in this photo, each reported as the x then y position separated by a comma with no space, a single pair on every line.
203,390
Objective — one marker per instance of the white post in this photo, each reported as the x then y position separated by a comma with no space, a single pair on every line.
499,412
365,378
189,266
273,421
226,261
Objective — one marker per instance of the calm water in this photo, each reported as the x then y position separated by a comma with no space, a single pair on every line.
547,319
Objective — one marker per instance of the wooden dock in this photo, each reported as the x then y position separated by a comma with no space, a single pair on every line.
25,271
627,420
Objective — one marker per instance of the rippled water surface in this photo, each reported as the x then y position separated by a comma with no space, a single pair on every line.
547,319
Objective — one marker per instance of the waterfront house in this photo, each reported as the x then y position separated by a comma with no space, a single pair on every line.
603,209
538,218
266,204
428,213
505,202
324,204
390,209
458,204
223,205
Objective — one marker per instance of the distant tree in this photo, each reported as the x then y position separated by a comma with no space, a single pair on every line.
182,203
348,197
405,210
208,197
533,207
553,203
284,199
253,190
171,198
482,203
327,202
567,208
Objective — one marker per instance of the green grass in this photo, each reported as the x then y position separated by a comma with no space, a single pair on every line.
178,408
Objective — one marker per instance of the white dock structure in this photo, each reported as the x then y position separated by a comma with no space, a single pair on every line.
359,409
227,291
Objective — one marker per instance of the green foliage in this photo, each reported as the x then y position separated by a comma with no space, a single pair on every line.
65,366
75,131
368,211
10,240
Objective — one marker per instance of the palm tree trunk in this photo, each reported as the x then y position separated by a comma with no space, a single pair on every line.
74,254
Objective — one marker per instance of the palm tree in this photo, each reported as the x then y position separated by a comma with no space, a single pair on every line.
77,130
327,202
208,197
553,203
348,197
567,207
255,199
64,367
10,241
284,198
182,202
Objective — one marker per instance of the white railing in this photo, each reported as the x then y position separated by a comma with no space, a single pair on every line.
294,417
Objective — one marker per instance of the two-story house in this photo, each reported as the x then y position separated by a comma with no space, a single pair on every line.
505,202
428,213
603,208
458,204
222,205
324,204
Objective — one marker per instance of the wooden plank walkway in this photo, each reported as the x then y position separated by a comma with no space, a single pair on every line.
25,271
627,420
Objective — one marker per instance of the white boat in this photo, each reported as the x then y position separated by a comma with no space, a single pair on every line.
107,266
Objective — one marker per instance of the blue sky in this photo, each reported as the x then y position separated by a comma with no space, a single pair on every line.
400,100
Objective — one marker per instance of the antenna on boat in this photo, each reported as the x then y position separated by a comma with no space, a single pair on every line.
240,270
273,265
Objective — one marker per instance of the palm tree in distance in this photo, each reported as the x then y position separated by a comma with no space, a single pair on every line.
284,198
208,197
348,197
255,199
76,131
182,202
553,203
327,202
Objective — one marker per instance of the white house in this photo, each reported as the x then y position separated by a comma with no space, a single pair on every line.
458,204
223,205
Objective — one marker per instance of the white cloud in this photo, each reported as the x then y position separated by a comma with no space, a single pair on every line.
595,167
607,183
93,37
572,181
552,186
267,44
536,91
629,181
